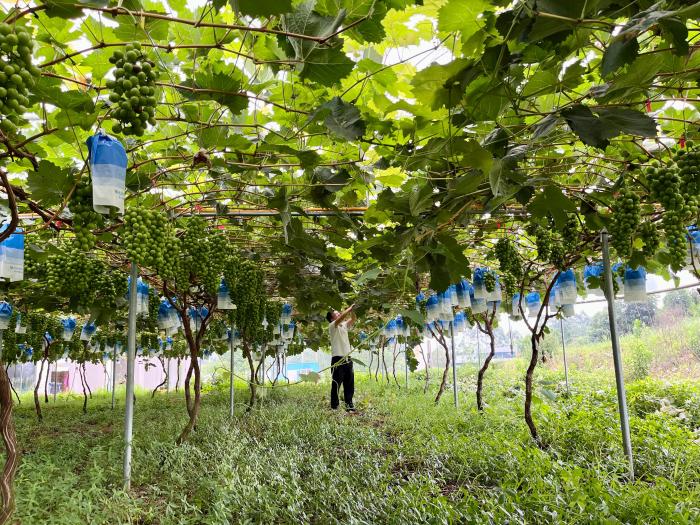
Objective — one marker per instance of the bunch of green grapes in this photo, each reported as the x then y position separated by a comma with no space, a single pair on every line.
665,187
272,311
133,90
490,281
85,218
571,234
688,162
71,275
550,247
649,234
508,258
203,253
17,75
543,240
625,221
557,254
109,285
145,236
249,296
149,340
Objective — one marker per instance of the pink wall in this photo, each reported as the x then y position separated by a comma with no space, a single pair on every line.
148,374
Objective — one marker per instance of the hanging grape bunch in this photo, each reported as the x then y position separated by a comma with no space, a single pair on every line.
649,234
109,286
17,75
133,90
490,281
145,236
509,261
688,162
543,240
550,247
70,275
85,218
665,188
625,221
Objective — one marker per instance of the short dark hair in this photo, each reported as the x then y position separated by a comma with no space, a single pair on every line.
329,316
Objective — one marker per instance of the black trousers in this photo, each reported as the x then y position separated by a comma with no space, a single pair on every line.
342,373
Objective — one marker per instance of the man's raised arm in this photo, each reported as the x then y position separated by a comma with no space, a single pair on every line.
344,315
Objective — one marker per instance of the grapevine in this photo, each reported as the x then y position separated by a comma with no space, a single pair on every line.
625,221
665,186
85,219
133,90
145,236
649,234
17,75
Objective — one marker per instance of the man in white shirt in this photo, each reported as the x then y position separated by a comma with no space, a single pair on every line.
341,364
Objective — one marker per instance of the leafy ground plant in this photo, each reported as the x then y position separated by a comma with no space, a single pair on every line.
401,460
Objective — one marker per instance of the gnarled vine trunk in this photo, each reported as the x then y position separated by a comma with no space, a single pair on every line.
19,401
165,380
488,330
194,341
83,381
177,378
188,391
87,385
445,372
46,382
529,375
252,384
37,404
9,439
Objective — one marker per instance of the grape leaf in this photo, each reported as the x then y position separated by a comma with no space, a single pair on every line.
260,8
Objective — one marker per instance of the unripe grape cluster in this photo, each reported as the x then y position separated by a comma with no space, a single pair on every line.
510,263
508,257
649,234
71,274
85,218
17,75
133,90
490,281
688,162
550,247
625,221
666,187
145,236
248,294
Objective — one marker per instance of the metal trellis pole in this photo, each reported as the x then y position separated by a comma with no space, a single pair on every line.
510,335
405,357
114,373
130,359
617,358
55,380
454,363
563,350
231,392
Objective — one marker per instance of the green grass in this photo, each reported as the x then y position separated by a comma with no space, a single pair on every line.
401,460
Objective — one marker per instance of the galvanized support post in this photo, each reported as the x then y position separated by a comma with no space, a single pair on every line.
563,350
114,373
55,379
231,391
510,334
617,358
405,357
130,362
454,364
